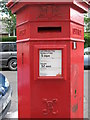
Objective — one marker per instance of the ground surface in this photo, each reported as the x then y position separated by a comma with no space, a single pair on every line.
12,77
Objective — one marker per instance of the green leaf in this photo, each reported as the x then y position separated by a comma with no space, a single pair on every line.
10,20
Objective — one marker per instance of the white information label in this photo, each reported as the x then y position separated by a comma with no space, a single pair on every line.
50,62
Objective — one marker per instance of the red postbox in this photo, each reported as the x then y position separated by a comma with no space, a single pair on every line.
50,58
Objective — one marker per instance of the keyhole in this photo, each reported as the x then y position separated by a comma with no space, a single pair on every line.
22,58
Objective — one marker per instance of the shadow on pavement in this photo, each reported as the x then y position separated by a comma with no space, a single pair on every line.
5,69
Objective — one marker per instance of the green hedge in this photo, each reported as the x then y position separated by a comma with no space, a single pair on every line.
8,39
13,39
87,40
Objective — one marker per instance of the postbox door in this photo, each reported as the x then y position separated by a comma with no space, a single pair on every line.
49,87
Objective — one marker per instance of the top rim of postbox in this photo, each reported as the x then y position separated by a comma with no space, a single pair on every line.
83,4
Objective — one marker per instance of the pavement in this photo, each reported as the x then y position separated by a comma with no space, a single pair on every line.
13,111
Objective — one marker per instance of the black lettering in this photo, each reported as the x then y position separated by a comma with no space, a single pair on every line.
48,66
46,55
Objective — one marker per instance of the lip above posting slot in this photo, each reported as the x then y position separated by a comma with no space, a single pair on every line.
49,29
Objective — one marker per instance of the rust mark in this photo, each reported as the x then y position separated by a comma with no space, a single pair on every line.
75,108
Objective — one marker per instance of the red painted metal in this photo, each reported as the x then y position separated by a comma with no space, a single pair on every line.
58,96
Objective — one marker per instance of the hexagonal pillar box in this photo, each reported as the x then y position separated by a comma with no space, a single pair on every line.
50,58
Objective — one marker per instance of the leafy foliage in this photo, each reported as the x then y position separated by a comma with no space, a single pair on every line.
87,22
3,7
10,19
87,40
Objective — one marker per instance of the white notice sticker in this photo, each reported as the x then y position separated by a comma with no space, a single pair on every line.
50,62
